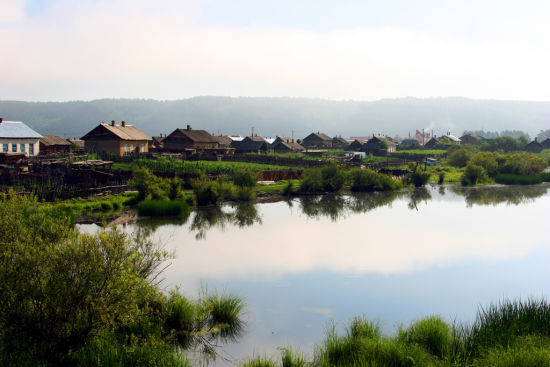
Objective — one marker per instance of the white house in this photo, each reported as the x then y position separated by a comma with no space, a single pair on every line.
16,137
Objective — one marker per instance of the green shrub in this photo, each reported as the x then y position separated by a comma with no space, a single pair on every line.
245,193
288,189
488,161
523,164
163,208
474,174
106,205
333,177
459,157
244,178
545,176
312,181
432,334
369,180
206,191
419,178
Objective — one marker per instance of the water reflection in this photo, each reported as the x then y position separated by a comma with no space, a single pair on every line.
205,219
418,195
493,195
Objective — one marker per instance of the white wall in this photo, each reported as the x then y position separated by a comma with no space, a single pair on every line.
27,142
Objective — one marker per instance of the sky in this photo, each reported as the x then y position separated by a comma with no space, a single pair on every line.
58,50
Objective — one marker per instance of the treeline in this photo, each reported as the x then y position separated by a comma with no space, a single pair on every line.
74,299
495,134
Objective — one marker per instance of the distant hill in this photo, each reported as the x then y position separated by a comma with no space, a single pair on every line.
281,116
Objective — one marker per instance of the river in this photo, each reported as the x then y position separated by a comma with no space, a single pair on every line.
304,263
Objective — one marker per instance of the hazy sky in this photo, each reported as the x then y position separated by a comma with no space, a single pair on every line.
363,50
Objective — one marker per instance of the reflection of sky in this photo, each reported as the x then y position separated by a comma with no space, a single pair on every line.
393,264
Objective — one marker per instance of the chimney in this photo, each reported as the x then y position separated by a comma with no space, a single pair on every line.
188,127
113,123
123,123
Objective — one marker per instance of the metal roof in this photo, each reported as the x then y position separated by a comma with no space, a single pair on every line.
17,129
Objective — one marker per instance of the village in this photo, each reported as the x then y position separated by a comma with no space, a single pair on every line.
29,158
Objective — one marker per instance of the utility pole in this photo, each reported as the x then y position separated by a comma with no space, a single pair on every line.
252,130
293,136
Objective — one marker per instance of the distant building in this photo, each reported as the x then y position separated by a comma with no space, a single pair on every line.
181,139
339,143
250,144
407,144
470,139
442,142
116,139
534,147
287,147
54,144
317,140
379,144
546,144
224,141
356,145
16,137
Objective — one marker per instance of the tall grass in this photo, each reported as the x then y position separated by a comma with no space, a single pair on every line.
163,208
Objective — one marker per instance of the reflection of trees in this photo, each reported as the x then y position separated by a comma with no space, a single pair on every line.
331,206
500,194
244,215
362,203
418,195
154,223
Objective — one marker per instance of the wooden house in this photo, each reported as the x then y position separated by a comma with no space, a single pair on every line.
470,139
224,141
534,147
50,144
339,143
181,139
18,138
116,139
407,144
545,144
316,141
356,145
250,144
379,144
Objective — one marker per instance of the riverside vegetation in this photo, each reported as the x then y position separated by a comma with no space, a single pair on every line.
507,334
69,298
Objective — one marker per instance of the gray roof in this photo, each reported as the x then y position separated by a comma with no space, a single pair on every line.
48,139
17,129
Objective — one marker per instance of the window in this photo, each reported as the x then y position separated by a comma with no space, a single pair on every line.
125,148
142,148
14,148
31,149
131,147
22,148
5,148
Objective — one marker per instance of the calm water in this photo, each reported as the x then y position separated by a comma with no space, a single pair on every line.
390,257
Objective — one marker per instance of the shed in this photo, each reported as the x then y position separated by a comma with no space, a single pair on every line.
54,144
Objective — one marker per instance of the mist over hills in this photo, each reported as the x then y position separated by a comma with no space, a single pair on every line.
281,116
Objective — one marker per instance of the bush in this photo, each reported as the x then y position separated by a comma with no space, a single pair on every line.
244,178
441,178
432,334
523,164
369,180
419,178
312,181
206,192
333,177
488,161
459,157
163,208
245,193
474,174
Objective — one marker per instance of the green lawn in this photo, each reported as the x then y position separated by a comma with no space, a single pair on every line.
423,152
209,167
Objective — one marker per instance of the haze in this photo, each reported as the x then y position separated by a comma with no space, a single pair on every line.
54,50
